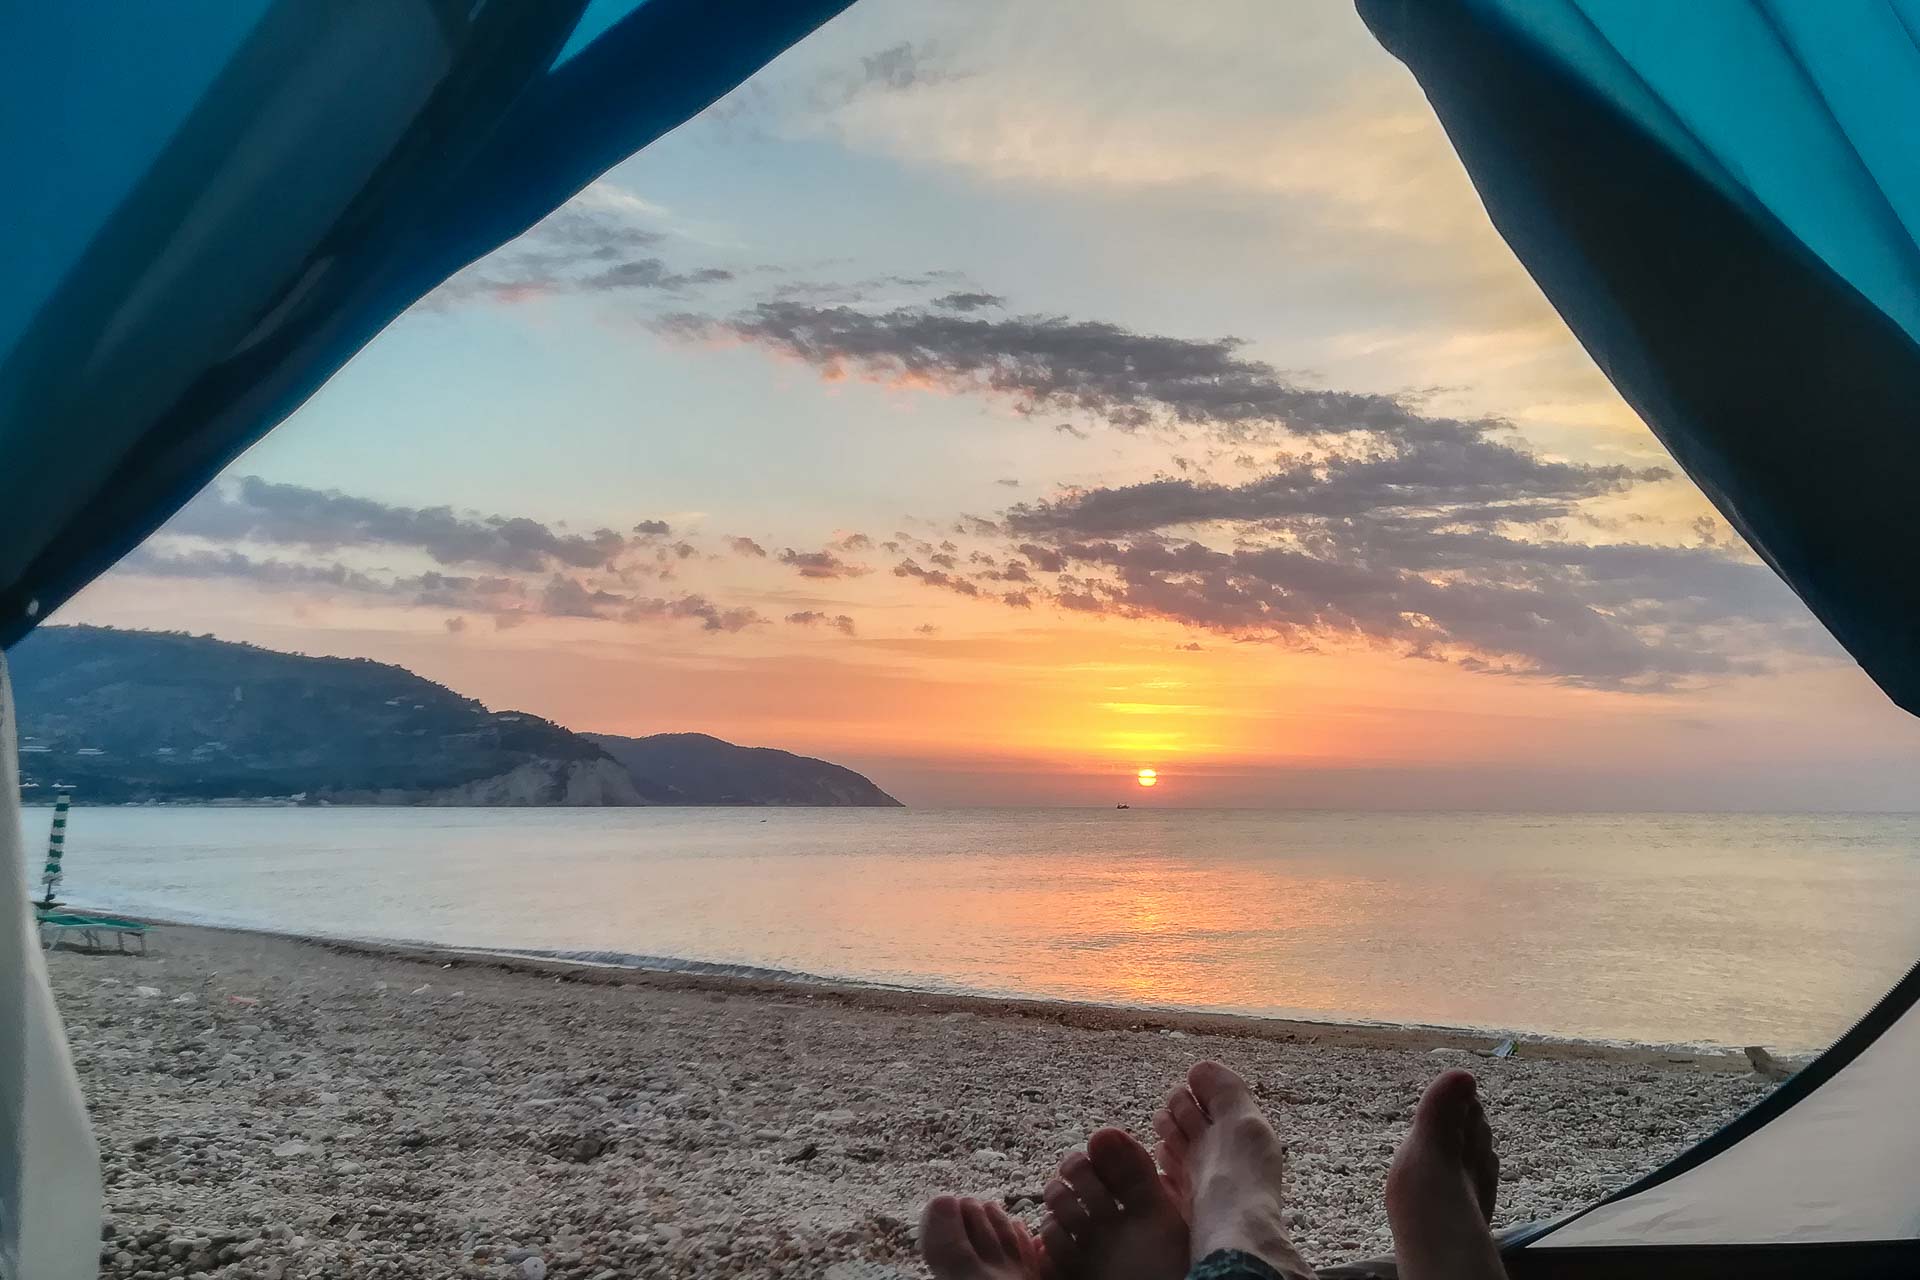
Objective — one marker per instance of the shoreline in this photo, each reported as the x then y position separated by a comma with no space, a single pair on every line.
684,974
275,1108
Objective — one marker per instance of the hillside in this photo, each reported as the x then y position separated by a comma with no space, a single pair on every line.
127,716
135,715
693,768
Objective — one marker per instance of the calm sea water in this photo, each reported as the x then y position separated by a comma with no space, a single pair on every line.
1675,929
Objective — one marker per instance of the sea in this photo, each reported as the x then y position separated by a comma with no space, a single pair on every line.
1679,929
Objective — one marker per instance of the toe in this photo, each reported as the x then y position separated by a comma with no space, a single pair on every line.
1188,1118
1441,1119
1173,1173
1013,1237
1219,1090
1066,1208
980,1232
1483,1161
1169,1130
943,1239
1057,1243
1087,1184
1126,1168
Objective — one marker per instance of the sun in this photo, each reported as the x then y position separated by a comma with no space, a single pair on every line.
1149,778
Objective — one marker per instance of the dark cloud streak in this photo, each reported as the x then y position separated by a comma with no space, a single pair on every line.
256,510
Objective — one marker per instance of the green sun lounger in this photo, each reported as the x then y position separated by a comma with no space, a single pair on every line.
55,925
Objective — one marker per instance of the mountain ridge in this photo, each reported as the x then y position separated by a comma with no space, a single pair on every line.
126,716
705,770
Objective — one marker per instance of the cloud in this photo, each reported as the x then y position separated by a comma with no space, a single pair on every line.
456,625
1042,363
1068,429
1043,558
509,600
814,618
197,564
747,547
935,578
585,247
256,510
653,529
968,301
926,629
1613,616
567,597
900,66
712,617
821,564
1450,481
1447,548
1376,523
646,273
1008,482
852,542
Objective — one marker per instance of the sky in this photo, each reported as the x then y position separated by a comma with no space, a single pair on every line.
1003,399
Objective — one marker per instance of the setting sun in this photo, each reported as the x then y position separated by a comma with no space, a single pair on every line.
1148,778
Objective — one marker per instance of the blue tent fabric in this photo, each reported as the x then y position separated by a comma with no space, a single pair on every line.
1722,199
222,223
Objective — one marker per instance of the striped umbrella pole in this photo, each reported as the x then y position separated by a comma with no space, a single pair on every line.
56,844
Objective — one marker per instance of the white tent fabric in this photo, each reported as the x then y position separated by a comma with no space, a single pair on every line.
49,1173
1839,1165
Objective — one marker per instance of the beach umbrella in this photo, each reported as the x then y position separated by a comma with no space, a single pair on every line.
215,206
56,849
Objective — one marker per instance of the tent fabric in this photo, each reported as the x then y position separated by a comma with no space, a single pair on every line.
49,1176
1824,1159
1836,1168
1721,199
238,197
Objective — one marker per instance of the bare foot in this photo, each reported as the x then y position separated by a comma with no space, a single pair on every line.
965,1239
1111,1217
1441,1187
1217,1144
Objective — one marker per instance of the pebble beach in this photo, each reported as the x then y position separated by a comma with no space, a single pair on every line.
270,1108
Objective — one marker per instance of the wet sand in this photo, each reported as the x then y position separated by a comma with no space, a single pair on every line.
271,1108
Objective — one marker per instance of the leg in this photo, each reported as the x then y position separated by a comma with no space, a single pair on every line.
1217,1144
1441,1187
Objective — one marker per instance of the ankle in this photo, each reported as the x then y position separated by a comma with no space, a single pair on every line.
1256,1235
1237,1262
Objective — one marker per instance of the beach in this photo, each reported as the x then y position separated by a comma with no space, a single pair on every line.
274,1108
